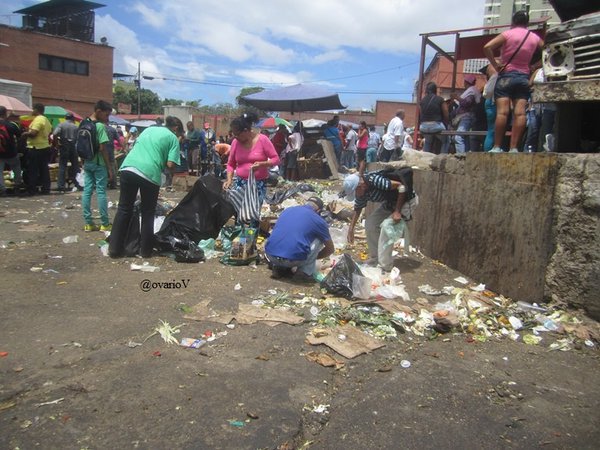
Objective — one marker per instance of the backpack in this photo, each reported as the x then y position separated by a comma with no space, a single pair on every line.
86,141
5,139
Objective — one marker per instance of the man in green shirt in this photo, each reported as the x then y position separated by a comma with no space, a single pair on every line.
155,149
98,172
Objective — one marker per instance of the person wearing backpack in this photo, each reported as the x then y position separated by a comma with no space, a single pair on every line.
97,170
9,133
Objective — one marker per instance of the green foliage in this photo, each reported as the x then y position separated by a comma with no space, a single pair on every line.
149,101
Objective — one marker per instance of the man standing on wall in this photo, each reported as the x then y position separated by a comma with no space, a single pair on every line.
392,144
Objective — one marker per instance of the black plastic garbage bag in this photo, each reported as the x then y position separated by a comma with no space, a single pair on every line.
279,196
339,280
184,250
199,215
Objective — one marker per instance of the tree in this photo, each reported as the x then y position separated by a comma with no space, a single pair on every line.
128,94
247,91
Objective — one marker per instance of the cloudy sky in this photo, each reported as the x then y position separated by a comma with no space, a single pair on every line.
209,50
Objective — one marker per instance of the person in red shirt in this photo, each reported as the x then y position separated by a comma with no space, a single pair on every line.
279,139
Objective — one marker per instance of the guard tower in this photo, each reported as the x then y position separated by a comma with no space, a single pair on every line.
73,19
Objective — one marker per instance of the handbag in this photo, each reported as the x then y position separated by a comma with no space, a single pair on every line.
246,201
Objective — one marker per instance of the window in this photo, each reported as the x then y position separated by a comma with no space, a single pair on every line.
64,65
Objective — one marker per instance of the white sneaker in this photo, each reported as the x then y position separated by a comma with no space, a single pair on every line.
513,150
496,150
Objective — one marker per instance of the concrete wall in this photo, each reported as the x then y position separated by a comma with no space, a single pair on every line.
526,225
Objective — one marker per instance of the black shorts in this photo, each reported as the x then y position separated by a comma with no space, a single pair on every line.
361,154
514,85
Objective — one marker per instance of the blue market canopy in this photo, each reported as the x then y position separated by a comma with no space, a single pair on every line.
299,97
116,120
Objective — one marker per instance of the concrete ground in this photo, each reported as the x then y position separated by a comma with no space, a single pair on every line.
71,380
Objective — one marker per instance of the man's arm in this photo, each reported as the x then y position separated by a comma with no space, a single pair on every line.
355,217
109,169
327,250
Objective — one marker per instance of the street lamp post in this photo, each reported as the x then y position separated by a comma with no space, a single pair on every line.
139,91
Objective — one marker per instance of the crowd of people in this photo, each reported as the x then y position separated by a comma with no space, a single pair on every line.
145,161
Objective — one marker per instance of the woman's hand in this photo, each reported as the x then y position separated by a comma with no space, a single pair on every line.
258,164
226,185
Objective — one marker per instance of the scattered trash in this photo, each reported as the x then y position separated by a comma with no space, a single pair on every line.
252,415
461,280
515,323
166,332
132,344
36,269
237,423
355,344
53,402
70,239
325,360
191,343
3,354
428,290
405,364
6,404
321,409
237,287
145,267
531,339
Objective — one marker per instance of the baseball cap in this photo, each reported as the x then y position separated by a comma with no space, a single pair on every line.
69,116
350,184
317,201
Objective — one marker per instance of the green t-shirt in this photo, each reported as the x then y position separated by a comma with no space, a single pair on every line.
102,137
152,149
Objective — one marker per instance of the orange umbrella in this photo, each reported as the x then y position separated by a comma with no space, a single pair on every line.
14,104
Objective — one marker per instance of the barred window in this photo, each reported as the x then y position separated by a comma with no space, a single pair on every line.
64,65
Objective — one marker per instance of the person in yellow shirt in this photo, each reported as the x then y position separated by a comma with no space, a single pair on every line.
38,151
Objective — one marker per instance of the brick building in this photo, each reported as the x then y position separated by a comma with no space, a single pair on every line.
56,53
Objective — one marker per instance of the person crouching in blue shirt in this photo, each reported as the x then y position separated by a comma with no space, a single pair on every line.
299,238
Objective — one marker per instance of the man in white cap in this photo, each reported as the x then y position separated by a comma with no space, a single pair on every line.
299,238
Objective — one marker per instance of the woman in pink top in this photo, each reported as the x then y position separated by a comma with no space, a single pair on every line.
518,45
249,151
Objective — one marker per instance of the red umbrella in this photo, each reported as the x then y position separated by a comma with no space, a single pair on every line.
15,105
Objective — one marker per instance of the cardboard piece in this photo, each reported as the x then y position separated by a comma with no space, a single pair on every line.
249,314
201,311
330,156
245,315
355,343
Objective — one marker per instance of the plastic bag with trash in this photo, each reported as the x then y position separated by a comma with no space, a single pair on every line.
242,250
199,215
391,232
339,280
